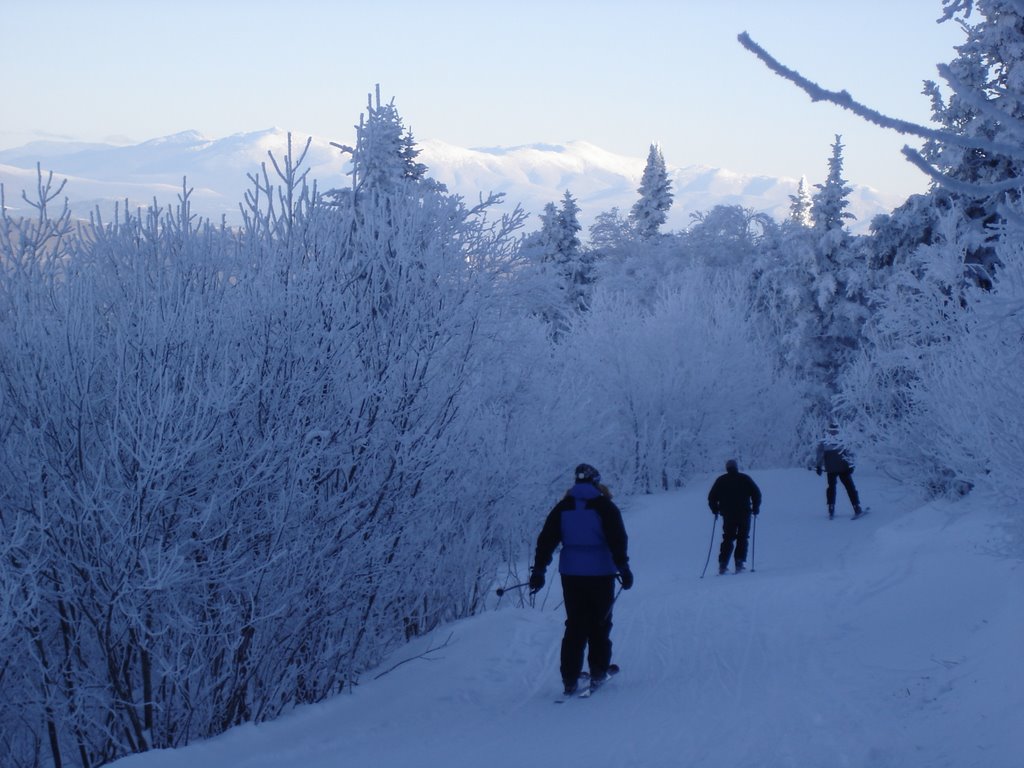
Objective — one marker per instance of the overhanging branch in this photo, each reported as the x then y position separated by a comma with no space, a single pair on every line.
846,101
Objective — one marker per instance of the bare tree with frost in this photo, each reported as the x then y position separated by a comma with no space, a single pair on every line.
234,472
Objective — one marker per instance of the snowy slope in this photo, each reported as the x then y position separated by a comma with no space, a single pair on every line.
530,175
890,641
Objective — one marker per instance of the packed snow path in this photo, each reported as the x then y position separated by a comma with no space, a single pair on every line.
891,641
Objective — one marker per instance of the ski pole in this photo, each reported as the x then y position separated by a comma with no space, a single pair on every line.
753,546
502,590
609,613
710,546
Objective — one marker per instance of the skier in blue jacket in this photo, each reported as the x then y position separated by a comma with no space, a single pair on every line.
589,527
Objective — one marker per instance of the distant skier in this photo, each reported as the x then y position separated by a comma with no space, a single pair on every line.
734,496
837,464
589,527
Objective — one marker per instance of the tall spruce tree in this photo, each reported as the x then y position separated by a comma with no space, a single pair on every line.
385,152
837,281
811,289
576,262
649,212
829,205
800,205
559,254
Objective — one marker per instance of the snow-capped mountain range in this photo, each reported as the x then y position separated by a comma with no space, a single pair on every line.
218,170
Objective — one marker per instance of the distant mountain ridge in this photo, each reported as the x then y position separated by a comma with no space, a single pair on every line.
531,175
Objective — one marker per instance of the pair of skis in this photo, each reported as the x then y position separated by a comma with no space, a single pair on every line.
856,516
590,686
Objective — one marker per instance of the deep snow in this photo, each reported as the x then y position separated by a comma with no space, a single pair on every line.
890,641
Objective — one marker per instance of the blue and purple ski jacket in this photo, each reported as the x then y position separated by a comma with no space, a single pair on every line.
589,527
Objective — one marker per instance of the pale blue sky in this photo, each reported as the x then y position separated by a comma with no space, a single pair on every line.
621,74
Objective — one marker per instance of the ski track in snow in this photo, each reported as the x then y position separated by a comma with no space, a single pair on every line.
876,645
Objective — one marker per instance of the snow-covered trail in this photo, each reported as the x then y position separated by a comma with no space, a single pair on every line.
881,642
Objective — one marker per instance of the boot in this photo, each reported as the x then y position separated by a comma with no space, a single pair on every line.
831,511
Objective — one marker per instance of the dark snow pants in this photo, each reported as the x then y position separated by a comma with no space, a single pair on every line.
846,478
735,531
588,624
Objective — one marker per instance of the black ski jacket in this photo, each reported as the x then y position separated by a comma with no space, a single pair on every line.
734,493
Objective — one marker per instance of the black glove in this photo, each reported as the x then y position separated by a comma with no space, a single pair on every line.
626,577
714,511
757,510
818,470
536,580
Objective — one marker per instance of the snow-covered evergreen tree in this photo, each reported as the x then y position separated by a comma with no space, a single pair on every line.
557,251
937,382
649,212
975,154
838,282
810,285
385,152
800,205
576,263
986,104
829,204
569,244
915,389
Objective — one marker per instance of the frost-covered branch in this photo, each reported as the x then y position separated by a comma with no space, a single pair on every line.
973,189
846,101
976,99
425,655
953,7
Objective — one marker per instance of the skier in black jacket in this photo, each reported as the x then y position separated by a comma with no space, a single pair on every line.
735,496
589,527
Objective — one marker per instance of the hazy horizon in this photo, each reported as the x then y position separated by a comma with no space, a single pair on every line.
621,77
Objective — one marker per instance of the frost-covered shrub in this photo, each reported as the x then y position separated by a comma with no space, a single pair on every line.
666,392
239,467
936,395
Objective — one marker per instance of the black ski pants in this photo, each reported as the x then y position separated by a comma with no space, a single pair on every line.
846,478
588,624
735,532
